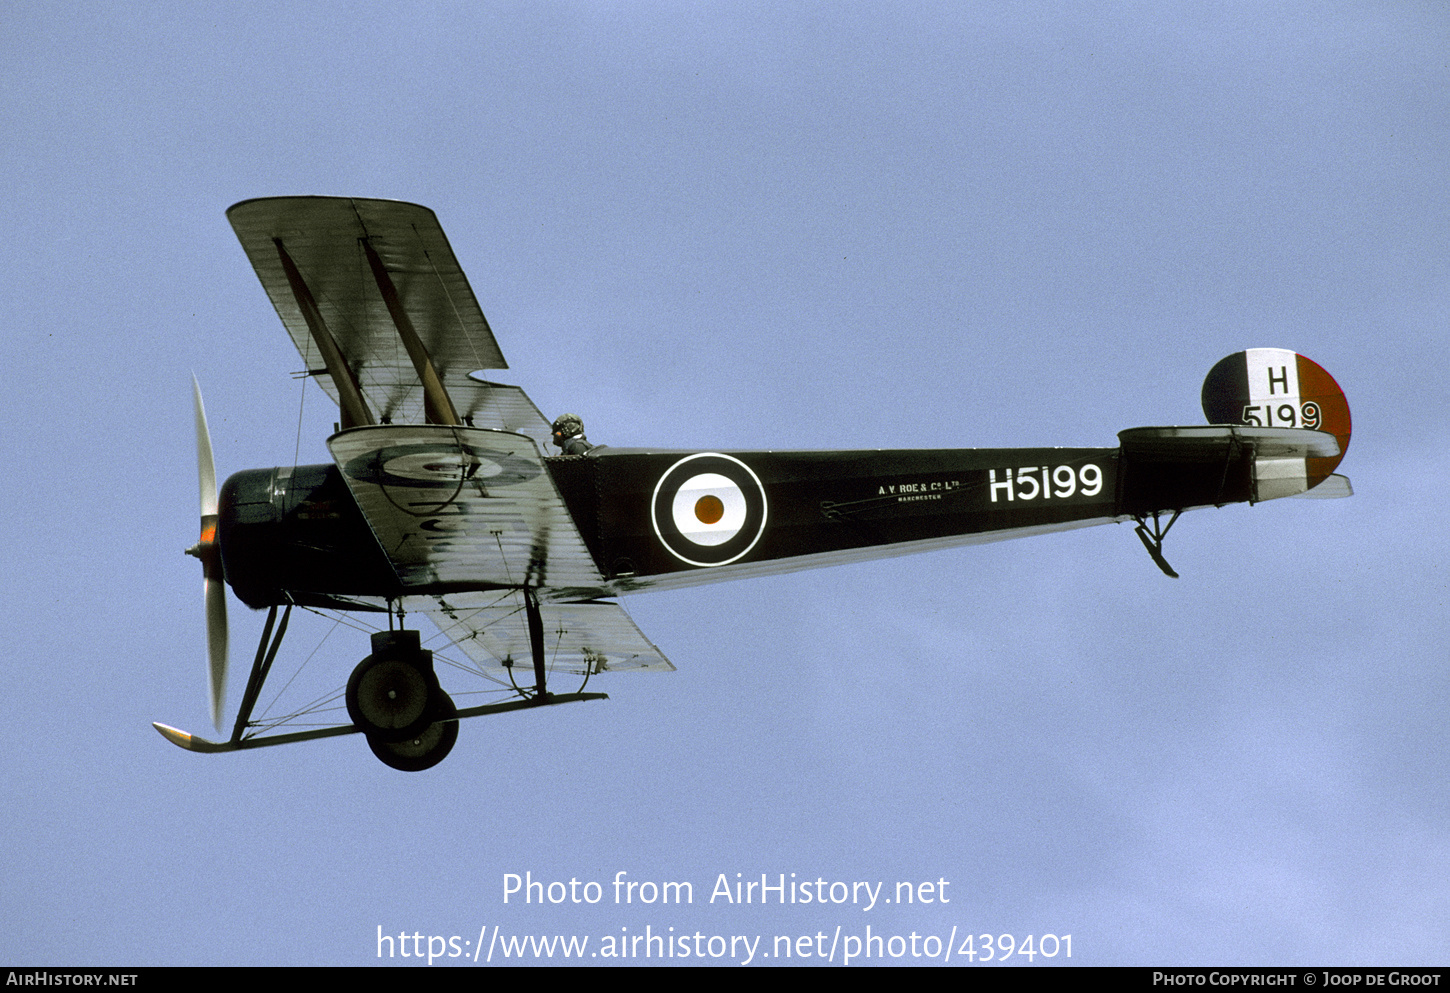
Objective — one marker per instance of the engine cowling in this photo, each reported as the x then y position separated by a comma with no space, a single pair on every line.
294,534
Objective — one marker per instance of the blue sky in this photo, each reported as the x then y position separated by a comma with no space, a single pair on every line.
729,226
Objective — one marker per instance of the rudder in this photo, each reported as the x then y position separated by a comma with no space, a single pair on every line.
1274,387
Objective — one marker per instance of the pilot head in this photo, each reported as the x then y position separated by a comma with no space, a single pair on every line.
567,426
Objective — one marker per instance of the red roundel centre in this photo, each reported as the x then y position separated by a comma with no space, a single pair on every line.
709,509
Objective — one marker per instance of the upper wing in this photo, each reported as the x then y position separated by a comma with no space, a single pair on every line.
380,311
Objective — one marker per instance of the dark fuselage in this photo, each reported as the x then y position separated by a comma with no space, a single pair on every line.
297,533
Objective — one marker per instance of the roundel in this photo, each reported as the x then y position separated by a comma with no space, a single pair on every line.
708,509
439,465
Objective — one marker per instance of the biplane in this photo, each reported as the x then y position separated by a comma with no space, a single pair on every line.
444,498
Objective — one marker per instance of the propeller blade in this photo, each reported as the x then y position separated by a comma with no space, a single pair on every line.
205,466
216,645
209,552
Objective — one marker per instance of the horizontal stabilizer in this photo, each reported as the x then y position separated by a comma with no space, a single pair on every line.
1332,488
1174,468
1215,439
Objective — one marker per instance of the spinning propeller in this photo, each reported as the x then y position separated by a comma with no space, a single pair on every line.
208,550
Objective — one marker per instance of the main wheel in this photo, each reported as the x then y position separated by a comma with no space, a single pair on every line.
426,749
390,699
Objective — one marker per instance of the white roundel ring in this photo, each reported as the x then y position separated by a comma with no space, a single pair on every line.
708,509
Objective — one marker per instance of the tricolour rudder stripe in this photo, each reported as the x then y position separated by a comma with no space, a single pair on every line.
1318,387
1225,390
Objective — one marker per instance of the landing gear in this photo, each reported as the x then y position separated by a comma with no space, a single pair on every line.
391,692
427,748
394,698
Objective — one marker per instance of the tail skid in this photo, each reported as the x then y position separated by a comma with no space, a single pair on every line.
1153,541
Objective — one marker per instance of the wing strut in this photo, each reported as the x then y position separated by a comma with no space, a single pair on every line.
355,410
437,405
536,642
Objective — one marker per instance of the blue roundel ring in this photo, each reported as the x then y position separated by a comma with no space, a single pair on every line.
439,465
708,509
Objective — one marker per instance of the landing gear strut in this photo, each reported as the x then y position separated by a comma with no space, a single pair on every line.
393,698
